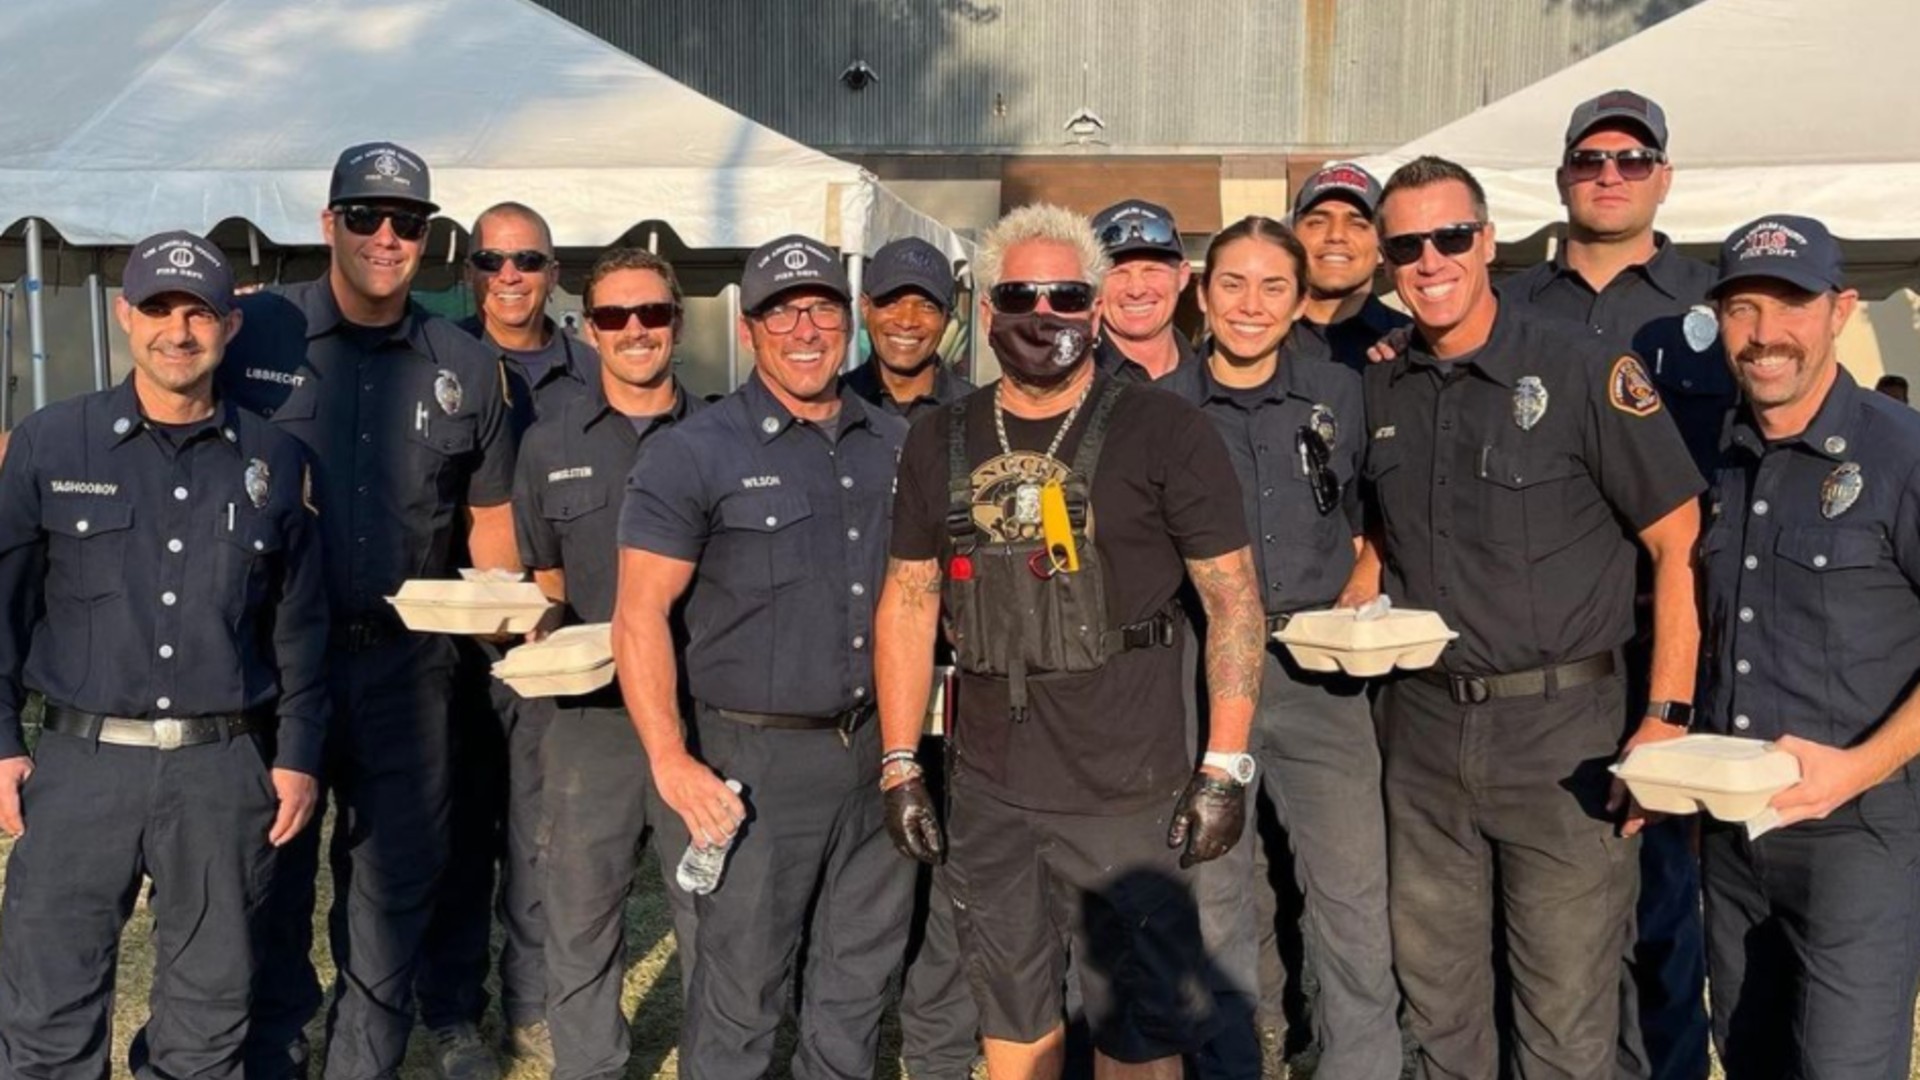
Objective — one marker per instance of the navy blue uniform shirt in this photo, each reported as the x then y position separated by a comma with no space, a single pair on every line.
1648,308
948,387
1511,485
1812,587
1303,556
161,573
568,489
574,369
1347,341
406,427
1183,381
789,531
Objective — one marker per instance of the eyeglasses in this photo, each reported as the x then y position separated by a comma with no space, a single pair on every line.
1021,297
1156,231
1456,239
490,261
363,220
1635,163
784,319
1316,460
610,318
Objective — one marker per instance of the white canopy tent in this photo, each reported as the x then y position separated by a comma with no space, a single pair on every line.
1773,106
120,118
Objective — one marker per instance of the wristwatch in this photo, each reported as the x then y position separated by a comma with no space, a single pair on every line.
1239,767
1677,713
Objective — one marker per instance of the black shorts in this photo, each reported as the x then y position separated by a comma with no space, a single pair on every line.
1029,884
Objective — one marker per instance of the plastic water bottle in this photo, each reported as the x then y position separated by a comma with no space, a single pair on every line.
700,867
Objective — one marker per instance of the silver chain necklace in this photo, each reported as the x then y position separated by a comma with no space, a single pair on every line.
1026,497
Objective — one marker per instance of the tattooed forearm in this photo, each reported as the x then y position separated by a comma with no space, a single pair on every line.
1236,624
918,582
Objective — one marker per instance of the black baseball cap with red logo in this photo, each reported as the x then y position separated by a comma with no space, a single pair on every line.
1619,106
1797,250
1341,179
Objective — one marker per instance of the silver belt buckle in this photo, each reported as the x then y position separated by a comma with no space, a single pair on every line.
168,733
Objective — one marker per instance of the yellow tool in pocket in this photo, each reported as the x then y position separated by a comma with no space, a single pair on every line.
1057,528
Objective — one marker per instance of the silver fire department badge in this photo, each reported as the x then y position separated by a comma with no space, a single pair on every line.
446,391
1322,422
1840,490
257,479
1700,327
1529,401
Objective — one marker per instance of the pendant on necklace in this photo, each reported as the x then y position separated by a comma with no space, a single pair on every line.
1026,504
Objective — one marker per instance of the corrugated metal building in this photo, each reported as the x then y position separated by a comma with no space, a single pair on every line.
972,105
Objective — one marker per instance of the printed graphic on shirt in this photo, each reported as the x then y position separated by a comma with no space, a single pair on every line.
1006,495
1629,389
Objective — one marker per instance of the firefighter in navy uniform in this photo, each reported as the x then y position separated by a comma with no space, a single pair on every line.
1812,564
768,513
1334,217
598,799
1516,467
162,576
412,454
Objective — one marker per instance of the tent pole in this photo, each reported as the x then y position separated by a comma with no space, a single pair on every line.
856,268
97,324
253,246
653,241
733,338
36,316
6,359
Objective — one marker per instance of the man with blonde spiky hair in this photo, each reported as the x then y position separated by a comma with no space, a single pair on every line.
1051,518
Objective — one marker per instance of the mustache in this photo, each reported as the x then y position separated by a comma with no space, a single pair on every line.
1755,353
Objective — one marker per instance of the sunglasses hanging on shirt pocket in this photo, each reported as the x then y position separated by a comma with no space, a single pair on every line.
1316,463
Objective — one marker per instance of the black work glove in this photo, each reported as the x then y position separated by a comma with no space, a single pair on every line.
1208,818
911,822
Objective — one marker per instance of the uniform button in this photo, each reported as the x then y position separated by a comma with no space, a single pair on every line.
228,432
362,489
1440,480
122,426
1273,586
1760,507
1819,561
1445,533
168,599
1746,614
164,703
1262,448
359,539
1742,722
846,481
853,534
366,436
180,493
1742,667
81,525
858,589
1266,493
859,691
367,387
1446,425
176,546
859,641
166,652
259,545
1268,538
1686,384
1751,562
772,521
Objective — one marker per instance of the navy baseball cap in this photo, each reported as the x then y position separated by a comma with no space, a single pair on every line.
1619,105
1797,250
381,170
910,263
1343,179
791,262
178,262
1133,226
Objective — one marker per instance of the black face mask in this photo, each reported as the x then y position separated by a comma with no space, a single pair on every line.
1040,348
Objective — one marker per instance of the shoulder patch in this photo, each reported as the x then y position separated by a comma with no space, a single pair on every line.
1630,390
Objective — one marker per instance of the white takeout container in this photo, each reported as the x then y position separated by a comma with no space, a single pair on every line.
571,660
438,606
1338,640
1731,778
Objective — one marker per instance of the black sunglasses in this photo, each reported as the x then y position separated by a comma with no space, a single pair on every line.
489,261
1021,297
363,220
1457,239
609,318
1635,163
1316,460
1156,231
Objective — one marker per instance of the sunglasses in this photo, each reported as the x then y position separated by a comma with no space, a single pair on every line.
363,220
1635,164
489,261
612,318
1156,231
1450,240
1316,460
784,319
1021,297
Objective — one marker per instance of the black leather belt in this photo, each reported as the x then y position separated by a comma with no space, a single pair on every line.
845,722
367,632
1479,689
159,733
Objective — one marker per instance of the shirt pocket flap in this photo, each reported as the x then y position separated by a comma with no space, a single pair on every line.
83,517
254,534
764,512
570,502
1821,549
448,435
1516,470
